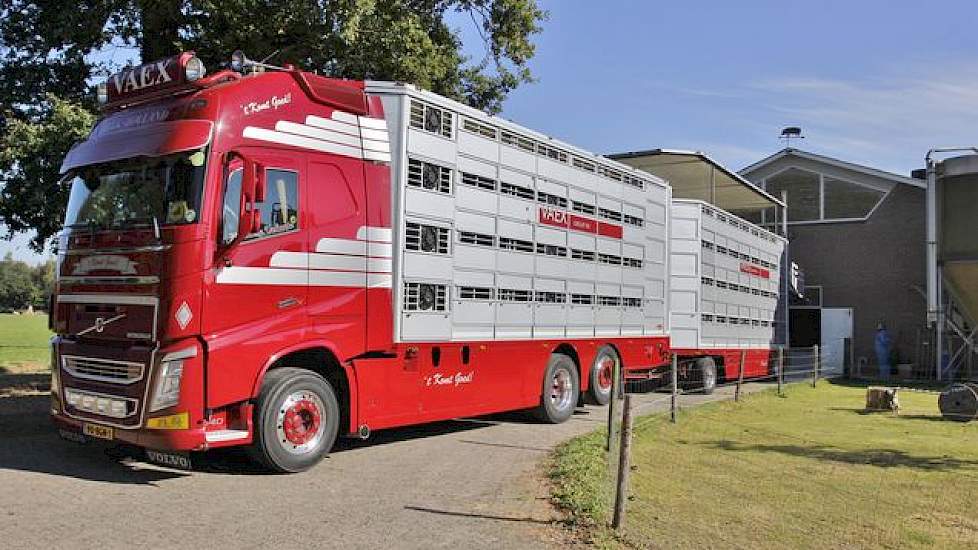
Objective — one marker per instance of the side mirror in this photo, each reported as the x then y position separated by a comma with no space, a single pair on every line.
252,184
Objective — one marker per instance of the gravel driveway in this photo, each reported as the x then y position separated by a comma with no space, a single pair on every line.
474,483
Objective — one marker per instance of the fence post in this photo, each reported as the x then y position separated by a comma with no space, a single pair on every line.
615,395
675,388
780,370
624,458
740,374
816,360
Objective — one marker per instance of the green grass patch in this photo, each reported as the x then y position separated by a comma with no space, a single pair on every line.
24,343
811,470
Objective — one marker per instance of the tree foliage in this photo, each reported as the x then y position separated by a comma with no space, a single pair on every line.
22,285
47,66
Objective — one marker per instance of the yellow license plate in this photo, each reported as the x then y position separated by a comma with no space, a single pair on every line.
97,431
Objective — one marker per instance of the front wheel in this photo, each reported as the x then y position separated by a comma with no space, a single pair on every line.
602,376
561,389
296,420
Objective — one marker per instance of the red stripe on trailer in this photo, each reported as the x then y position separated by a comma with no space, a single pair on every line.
752,269
548,215
610,230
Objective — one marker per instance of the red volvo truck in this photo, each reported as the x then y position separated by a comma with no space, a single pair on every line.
270,258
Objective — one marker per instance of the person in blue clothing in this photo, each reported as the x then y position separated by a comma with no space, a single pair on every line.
883,346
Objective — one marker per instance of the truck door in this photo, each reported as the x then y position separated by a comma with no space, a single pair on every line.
338,260
257,291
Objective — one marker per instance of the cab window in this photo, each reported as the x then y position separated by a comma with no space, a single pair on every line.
232,206
280,210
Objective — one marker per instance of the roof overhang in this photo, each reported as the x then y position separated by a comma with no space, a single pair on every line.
851,166
695,175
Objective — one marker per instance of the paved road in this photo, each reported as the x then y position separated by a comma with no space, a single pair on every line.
467,483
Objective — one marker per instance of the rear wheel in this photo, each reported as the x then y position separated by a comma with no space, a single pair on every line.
602,376
561,389
296,420
706,371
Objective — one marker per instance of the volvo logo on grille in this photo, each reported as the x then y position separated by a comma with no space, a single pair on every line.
100,323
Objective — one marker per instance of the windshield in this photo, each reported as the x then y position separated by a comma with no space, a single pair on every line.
163,190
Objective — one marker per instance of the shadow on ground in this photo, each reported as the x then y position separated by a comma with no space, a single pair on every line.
31,443
883,458
450,513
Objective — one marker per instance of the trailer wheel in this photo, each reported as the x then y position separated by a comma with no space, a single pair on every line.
602,376
561,389
706,371
296,420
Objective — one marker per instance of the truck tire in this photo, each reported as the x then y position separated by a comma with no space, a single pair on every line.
601,376
297,418
706,372
561,389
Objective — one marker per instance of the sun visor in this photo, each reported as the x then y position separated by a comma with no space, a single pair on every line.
155,139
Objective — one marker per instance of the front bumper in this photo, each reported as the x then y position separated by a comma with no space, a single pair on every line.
193,439
195,433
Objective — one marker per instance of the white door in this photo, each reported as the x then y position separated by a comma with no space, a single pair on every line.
836,327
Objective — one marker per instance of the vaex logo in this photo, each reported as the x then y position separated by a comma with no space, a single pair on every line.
151,74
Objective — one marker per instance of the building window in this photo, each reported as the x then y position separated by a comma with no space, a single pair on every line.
802,190
849,200
818,197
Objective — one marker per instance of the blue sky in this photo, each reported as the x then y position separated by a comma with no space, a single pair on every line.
869,81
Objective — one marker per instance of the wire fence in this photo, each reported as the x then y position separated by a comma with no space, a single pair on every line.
639,486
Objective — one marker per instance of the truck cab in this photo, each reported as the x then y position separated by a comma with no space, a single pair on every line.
183,266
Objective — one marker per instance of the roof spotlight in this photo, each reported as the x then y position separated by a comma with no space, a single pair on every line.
194,69
239,61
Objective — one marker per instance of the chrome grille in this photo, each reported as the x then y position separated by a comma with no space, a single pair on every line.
102,370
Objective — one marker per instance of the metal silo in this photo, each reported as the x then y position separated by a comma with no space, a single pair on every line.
952,239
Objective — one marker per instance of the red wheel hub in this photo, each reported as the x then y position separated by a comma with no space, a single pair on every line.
301,422
606,369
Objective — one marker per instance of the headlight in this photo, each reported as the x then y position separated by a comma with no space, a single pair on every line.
167,391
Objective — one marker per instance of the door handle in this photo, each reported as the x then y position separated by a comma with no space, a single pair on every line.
288,302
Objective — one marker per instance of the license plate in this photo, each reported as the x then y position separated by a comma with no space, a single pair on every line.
98,431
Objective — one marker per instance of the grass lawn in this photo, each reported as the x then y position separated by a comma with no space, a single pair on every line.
24,343
807,471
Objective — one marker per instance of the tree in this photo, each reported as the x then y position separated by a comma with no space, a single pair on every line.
17,288
46,67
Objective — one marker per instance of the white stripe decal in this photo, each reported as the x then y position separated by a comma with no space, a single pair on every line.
380,250
328,124
377,234
342,246
367,133
262,276
378,146
317,133
282,258
380,157
300,141
296,277
335,262
344,117
379,280
379,265
338,278
374,123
